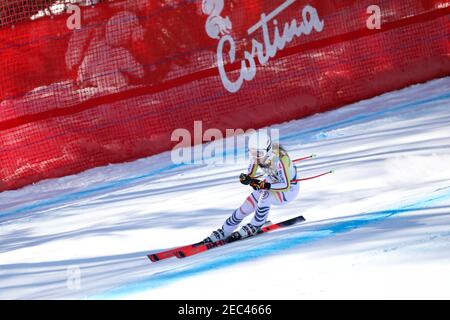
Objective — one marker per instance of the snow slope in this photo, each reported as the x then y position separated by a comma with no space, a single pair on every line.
379,227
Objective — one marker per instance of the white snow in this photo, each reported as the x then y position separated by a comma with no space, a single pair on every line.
379,227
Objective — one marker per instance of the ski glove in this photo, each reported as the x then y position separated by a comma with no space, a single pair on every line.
245,179
259,185
254,183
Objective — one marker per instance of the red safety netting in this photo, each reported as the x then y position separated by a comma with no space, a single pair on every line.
115,89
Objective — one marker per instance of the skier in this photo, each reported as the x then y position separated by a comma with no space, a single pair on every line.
276,188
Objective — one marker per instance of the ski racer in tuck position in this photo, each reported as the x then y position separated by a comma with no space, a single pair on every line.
276,187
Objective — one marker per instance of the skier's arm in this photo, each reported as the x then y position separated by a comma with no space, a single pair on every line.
284,182
252,169
247,178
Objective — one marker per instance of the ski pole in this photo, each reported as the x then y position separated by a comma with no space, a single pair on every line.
314,177
304,158
296,160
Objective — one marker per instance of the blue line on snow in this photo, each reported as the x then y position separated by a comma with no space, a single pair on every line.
352,120
79,194
124,182
270,248
370,116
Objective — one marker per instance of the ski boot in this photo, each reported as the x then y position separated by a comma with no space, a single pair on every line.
246,231
215,236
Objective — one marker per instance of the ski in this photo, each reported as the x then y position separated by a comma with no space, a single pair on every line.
202,247
158,256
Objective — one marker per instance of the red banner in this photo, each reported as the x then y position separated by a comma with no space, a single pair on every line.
114,88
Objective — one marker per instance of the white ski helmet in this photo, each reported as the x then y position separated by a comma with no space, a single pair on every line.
260,145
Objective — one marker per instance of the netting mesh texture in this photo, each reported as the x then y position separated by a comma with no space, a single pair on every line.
116,88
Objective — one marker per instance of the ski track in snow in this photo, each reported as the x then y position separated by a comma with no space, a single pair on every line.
391,154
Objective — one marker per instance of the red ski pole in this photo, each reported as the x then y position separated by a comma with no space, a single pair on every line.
304,158
314,177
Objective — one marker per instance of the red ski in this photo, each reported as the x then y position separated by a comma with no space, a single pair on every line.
154,257
201,247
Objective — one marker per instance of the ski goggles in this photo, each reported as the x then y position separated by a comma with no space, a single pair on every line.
257,154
